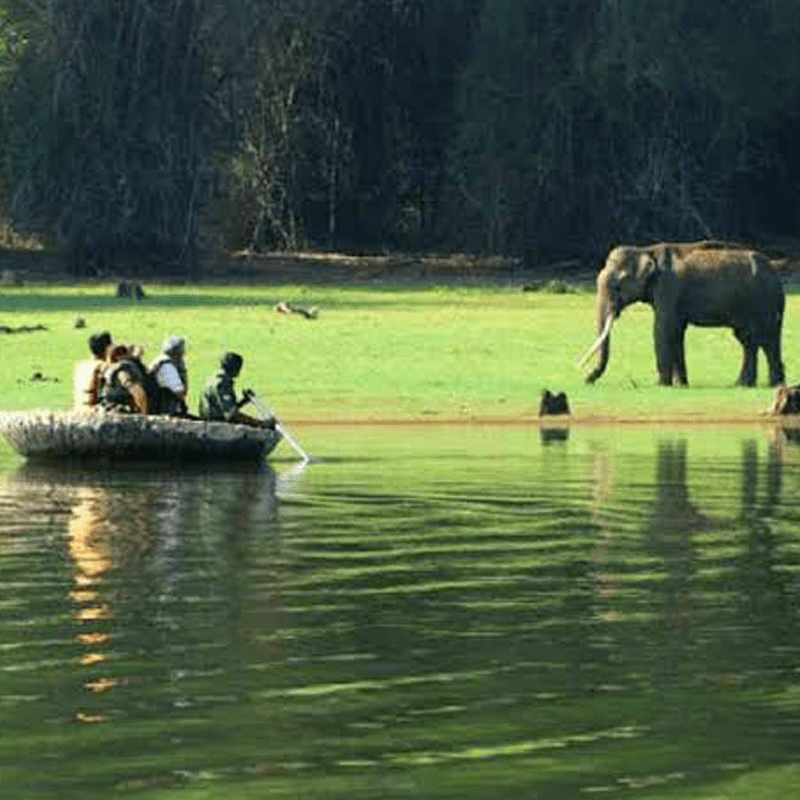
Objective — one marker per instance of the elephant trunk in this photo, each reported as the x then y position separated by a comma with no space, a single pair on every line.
605,321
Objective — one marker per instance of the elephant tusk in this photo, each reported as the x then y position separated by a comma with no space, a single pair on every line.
600,339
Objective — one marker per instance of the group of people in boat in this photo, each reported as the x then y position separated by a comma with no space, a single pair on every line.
116,379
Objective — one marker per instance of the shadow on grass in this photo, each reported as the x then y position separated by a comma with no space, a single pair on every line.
325,297
43,301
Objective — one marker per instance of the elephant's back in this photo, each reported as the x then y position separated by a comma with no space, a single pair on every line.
735,266
723,287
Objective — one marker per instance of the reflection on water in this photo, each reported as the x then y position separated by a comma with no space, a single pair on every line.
484,614
122,555
89,534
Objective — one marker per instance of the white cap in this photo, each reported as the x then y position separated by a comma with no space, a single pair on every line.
174,344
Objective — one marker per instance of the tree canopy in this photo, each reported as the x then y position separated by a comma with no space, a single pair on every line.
141,131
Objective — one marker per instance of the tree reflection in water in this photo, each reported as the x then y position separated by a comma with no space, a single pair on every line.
582,615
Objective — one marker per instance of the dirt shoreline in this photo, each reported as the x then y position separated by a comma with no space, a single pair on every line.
578,420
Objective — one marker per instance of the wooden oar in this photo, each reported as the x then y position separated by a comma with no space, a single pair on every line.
265,410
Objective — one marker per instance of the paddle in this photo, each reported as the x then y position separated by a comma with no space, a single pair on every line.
265,411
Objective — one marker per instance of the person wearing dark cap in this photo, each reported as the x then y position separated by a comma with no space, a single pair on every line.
169,373
88,374
218,401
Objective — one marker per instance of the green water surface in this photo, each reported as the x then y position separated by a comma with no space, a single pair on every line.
468,612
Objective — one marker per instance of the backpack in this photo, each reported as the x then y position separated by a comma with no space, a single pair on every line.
112,394
149,384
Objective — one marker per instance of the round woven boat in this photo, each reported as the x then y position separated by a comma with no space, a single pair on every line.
92,434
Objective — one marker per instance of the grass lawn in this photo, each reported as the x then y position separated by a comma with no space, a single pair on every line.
382,353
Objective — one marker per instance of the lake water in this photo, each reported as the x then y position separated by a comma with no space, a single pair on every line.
428,612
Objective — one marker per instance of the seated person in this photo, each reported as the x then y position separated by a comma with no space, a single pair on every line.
218,399
169,374
123,381
88,374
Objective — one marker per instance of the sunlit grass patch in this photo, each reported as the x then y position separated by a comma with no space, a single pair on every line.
383,353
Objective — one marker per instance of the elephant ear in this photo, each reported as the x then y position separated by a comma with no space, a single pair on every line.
651,267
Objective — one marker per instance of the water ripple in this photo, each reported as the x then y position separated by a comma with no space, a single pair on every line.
603,614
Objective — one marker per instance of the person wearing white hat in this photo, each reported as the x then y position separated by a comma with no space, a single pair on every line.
169,372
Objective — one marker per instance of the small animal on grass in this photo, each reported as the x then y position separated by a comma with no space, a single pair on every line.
551,404
786,401
287,308
130,290
39,377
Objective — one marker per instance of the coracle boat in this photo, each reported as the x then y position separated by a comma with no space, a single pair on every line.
44,435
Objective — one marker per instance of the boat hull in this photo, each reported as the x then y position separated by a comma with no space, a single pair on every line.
43,435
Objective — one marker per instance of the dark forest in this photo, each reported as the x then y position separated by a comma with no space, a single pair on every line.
145,132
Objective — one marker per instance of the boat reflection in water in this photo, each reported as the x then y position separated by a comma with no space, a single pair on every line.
139,542
90,533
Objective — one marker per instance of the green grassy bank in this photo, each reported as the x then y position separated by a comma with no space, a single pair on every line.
383,353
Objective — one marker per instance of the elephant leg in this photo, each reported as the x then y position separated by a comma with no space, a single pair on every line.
679,350
665,339
772,350
663,358
749,372
770,341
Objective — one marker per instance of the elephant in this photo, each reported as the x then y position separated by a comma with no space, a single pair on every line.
705,283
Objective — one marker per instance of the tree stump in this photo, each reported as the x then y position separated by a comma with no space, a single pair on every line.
130,290
551,404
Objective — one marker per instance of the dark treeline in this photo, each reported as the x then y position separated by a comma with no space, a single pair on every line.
143,132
